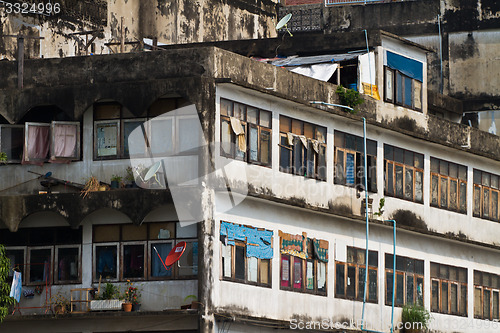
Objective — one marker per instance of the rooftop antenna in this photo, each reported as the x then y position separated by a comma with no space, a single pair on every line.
283,23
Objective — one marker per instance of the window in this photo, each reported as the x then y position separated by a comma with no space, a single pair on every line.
246,254
349,162
245,132
409,280
129,252
162,136
12,142
486,295
403,81
302,148
404,173
448,289
52,254
350,282
448,185
303,264
486,193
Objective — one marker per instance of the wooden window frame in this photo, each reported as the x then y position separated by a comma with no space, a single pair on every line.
56,267
53,124
449,282
118,139
246,127
482,189
233,268
27,125
392,163
448,180
28,270
122,264
395,88
152,254
303,263
304,151
95,278
405,274
491,290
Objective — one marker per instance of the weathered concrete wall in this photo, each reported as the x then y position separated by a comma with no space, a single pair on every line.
170,22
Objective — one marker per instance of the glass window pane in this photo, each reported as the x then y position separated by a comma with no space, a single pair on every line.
265,118
417,94
226,135
360,257
462,172
463,197
477,201
443,168
16,258
265,147
409,289
399,155
12,142
351,281
285,271
321,134
297,127
486,202
339,280
239,262
434,165
361,283
389,84
478,307
67,264
408,157
399,181
133,261
388,287
400,283
226,260
226,107
408,183
372,286
485,179
264,271
188,134
339,174
373,258
419,186
107,111
285,124
453,195
161,136
131,232
186,230
309,131
188,263
494,205
157,268
419,267
309,275
454,298
420,291
107,139
252,115
494,181
435,296
444,193
161,230
253,144
486,304
297,273
322,276
350,173
105,260
463,300
444,272
252,269
239,111
453,273
462,275
408,98
453,170
434,270
399,88
390,179
285,155
322,168
388,152
495,305
40,265
419,161
476,177
128,128
444,297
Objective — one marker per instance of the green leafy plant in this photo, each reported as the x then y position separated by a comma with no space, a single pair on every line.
3,157
349,97
381,205
193,298
110,292
116,178
5,300
130,175
417,316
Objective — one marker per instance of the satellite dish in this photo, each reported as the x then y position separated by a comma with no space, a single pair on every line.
152,172
283,23
174,255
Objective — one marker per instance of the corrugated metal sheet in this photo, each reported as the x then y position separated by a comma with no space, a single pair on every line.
301,61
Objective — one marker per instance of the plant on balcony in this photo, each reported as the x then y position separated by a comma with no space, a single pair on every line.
381,205
60,303
109,299
349,97
116,181
5,300
132,294
415,318
91,185
3,158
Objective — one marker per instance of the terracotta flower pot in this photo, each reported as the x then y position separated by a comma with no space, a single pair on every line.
127,307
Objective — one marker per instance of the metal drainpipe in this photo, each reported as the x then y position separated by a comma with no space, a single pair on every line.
366,255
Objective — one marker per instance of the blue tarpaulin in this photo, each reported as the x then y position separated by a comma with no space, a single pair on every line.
258,242
407,66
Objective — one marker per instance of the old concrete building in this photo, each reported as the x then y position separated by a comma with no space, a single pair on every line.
260,172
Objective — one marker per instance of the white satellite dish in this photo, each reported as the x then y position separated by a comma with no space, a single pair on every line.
283,23
152,172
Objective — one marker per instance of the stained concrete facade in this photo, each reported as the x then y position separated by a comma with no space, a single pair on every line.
275,200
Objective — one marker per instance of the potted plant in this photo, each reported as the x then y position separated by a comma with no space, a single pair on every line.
59,303
3,158
116,181
131,297
194,303
130,178
415,318
107,300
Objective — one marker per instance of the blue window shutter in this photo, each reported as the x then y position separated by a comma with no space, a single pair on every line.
407,66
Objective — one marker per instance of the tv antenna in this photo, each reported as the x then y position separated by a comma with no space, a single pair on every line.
283,23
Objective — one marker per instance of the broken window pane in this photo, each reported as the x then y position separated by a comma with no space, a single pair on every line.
339,280
444,193
435,296
67,263
239,262
408,184
106,261
133,261
252,269
478,308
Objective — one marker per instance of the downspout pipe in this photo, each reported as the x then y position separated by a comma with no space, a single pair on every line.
367,237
